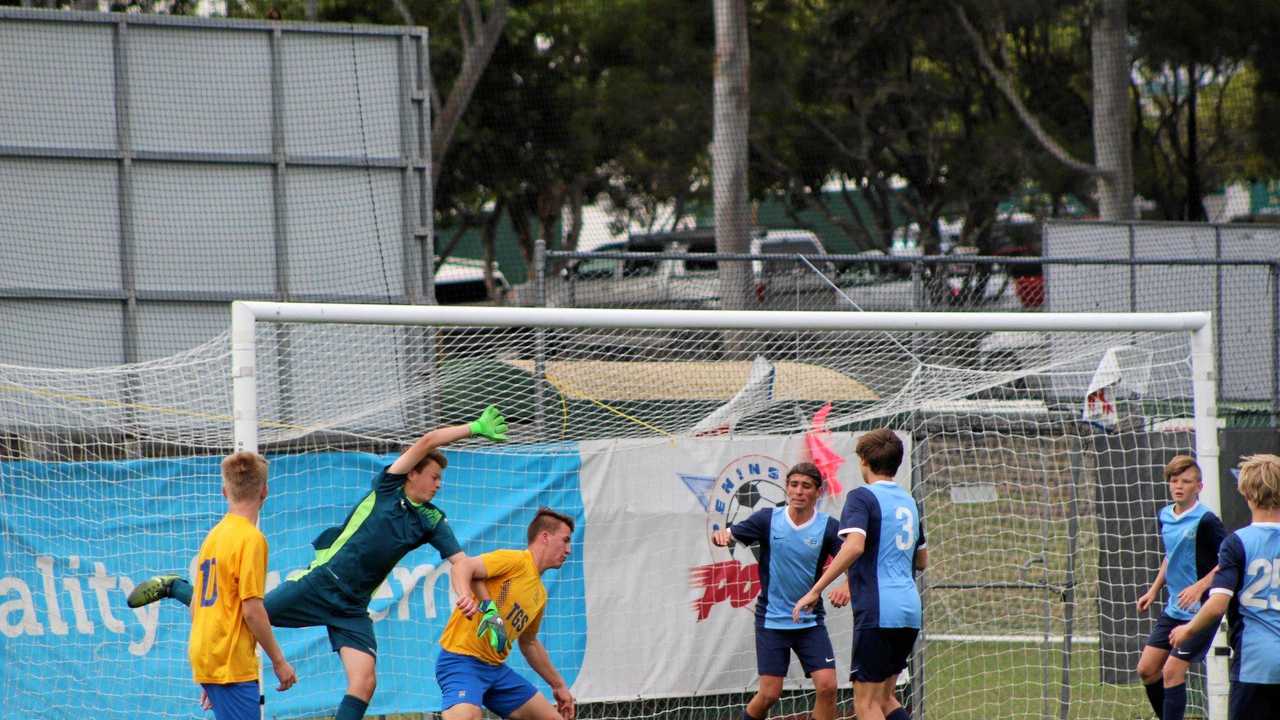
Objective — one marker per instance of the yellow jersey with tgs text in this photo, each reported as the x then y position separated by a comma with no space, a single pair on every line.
516,586
231,568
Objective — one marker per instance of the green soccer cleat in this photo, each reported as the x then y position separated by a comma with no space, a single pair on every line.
150,590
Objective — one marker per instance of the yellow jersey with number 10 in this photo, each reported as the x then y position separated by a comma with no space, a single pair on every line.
231,568
516,586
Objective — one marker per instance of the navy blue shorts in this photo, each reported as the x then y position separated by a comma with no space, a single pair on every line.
234,701
812,645
1192,651
310,601
1253,701
464,679
880,653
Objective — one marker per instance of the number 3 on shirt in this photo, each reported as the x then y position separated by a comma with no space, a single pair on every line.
905,539
208,582
1267,584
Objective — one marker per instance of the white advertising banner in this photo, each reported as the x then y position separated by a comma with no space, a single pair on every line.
668,613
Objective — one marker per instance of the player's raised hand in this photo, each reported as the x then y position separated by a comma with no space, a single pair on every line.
809,600
285,674
840,596
722,538
565,703
490,424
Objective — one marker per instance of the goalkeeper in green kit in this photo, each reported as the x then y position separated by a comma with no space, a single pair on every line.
354,558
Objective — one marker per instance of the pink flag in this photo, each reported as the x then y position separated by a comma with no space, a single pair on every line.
827,460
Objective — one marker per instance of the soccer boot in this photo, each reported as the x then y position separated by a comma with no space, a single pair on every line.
152,589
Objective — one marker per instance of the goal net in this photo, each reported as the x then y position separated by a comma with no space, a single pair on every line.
1035,445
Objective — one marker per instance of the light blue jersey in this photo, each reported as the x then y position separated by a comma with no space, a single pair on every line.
792,558
1191,541
1249,570
882,580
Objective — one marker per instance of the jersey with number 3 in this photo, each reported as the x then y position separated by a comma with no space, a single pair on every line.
231,568
1249,570
881,580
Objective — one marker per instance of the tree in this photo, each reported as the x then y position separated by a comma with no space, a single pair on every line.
1113,165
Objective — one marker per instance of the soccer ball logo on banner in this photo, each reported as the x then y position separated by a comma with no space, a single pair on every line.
746,485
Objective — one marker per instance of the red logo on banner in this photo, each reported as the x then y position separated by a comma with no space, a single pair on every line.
728,580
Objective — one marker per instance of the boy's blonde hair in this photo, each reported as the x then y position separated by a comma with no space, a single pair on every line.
1260,481
1179,465
243,475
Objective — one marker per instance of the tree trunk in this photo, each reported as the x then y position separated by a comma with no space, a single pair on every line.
479,39
729,151
1195,191
1113,152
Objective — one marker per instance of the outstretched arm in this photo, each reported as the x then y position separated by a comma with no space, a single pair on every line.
490,424
850,551
1210,613
536,654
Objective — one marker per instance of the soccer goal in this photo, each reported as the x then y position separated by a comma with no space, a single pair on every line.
1035,444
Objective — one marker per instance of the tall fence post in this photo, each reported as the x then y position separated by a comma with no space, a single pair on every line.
540,336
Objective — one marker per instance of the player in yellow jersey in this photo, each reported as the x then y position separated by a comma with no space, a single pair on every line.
471,670
228,618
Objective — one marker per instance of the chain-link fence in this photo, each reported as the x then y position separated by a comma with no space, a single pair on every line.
1243,295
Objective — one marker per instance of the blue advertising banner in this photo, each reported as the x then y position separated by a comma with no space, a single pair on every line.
75,537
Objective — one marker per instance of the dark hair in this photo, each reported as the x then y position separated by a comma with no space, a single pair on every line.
547,520
808,470
434,456
882,451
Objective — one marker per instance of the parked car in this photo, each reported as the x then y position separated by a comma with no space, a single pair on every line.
460,281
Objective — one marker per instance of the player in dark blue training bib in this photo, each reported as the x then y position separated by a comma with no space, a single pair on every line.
1246,586
1191,535
795,542
354,558
883,547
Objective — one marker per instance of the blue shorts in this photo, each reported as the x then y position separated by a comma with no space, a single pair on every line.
880,653
464,679
311,601
1192,651
812,645
1253,701
234,701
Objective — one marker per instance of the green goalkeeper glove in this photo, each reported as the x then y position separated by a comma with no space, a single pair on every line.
491,627
490,424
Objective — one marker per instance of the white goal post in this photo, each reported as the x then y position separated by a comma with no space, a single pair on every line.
1196,326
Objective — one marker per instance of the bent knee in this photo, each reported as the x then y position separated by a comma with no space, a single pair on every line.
1174,673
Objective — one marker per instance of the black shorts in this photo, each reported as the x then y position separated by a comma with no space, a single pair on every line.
812,645
309,601
1253,701
1192,651
880,653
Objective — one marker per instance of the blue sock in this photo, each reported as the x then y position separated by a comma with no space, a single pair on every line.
899,714
1155,695
1175,702
352,708
180,590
